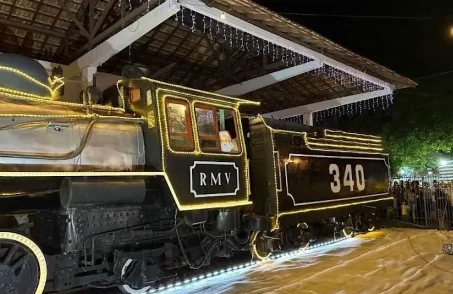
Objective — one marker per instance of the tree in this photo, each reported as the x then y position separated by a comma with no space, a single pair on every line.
415,130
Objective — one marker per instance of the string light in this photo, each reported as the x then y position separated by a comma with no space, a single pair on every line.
279,180
193,16
247,171
31,79
346,135
181,207
182,15
355,108
335,206
210,28
352,136
48,100
365,144
191,103
204,24
162,94
309,143
75,116
359,149
309,247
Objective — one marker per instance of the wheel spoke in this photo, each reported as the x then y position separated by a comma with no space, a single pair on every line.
23,265
11,253
20,263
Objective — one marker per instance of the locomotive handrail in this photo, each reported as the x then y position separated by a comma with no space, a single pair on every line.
64,156
45,100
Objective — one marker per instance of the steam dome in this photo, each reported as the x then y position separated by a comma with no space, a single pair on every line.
16,71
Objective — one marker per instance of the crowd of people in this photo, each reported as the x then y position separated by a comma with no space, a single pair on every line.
425,203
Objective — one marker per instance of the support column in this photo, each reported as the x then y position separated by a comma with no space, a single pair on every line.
308,118
88,75
74,85
81,70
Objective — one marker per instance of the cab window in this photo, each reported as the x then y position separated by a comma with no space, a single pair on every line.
217,129
179,126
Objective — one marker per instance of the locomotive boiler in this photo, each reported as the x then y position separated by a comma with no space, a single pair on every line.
151,180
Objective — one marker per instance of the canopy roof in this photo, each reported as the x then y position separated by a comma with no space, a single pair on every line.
181,52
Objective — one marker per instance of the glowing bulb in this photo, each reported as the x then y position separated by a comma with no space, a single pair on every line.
451,31
223,16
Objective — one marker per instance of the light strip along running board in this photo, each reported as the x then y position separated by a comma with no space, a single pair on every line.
179,285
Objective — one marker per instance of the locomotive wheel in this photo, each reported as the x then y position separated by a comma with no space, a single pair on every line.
348,232
23,268
260,246
371,222
349,227
126,288
295,238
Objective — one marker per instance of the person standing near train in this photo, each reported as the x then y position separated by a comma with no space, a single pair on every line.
410,199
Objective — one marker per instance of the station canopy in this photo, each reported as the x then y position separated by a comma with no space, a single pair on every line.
234,47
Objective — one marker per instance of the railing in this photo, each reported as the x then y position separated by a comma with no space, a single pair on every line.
426,202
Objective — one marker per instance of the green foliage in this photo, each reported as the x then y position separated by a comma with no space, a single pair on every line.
416,130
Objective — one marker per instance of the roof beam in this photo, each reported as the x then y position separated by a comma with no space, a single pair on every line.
73,17
123,38
269,79
103,16
235,22
327,104
163,70
31,28
119,25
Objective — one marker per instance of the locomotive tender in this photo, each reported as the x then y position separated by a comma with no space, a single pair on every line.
129,188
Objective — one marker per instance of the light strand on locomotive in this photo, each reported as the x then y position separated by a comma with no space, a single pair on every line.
348,142
75,116
181,207
307,143
197,150
30,78
334,206
48,100
164,141
273,131
357,135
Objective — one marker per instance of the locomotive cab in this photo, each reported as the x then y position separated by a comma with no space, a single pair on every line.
196,139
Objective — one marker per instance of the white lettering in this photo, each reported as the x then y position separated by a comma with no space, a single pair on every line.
215,179
202,179
228,177
347,178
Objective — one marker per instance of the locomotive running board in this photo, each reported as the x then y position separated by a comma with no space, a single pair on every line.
181,207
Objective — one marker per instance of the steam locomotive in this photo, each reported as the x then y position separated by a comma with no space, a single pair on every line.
126,188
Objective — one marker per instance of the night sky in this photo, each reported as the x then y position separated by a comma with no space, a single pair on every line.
415,47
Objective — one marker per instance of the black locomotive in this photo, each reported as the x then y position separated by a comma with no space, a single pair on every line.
128,188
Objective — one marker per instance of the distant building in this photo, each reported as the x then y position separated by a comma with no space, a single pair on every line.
446,170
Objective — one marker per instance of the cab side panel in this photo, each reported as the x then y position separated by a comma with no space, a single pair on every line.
262,175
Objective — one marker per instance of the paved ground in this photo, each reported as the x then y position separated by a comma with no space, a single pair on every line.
393,261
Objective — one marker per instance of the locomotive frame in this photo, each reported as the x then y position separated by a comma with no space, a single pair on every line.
163,216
